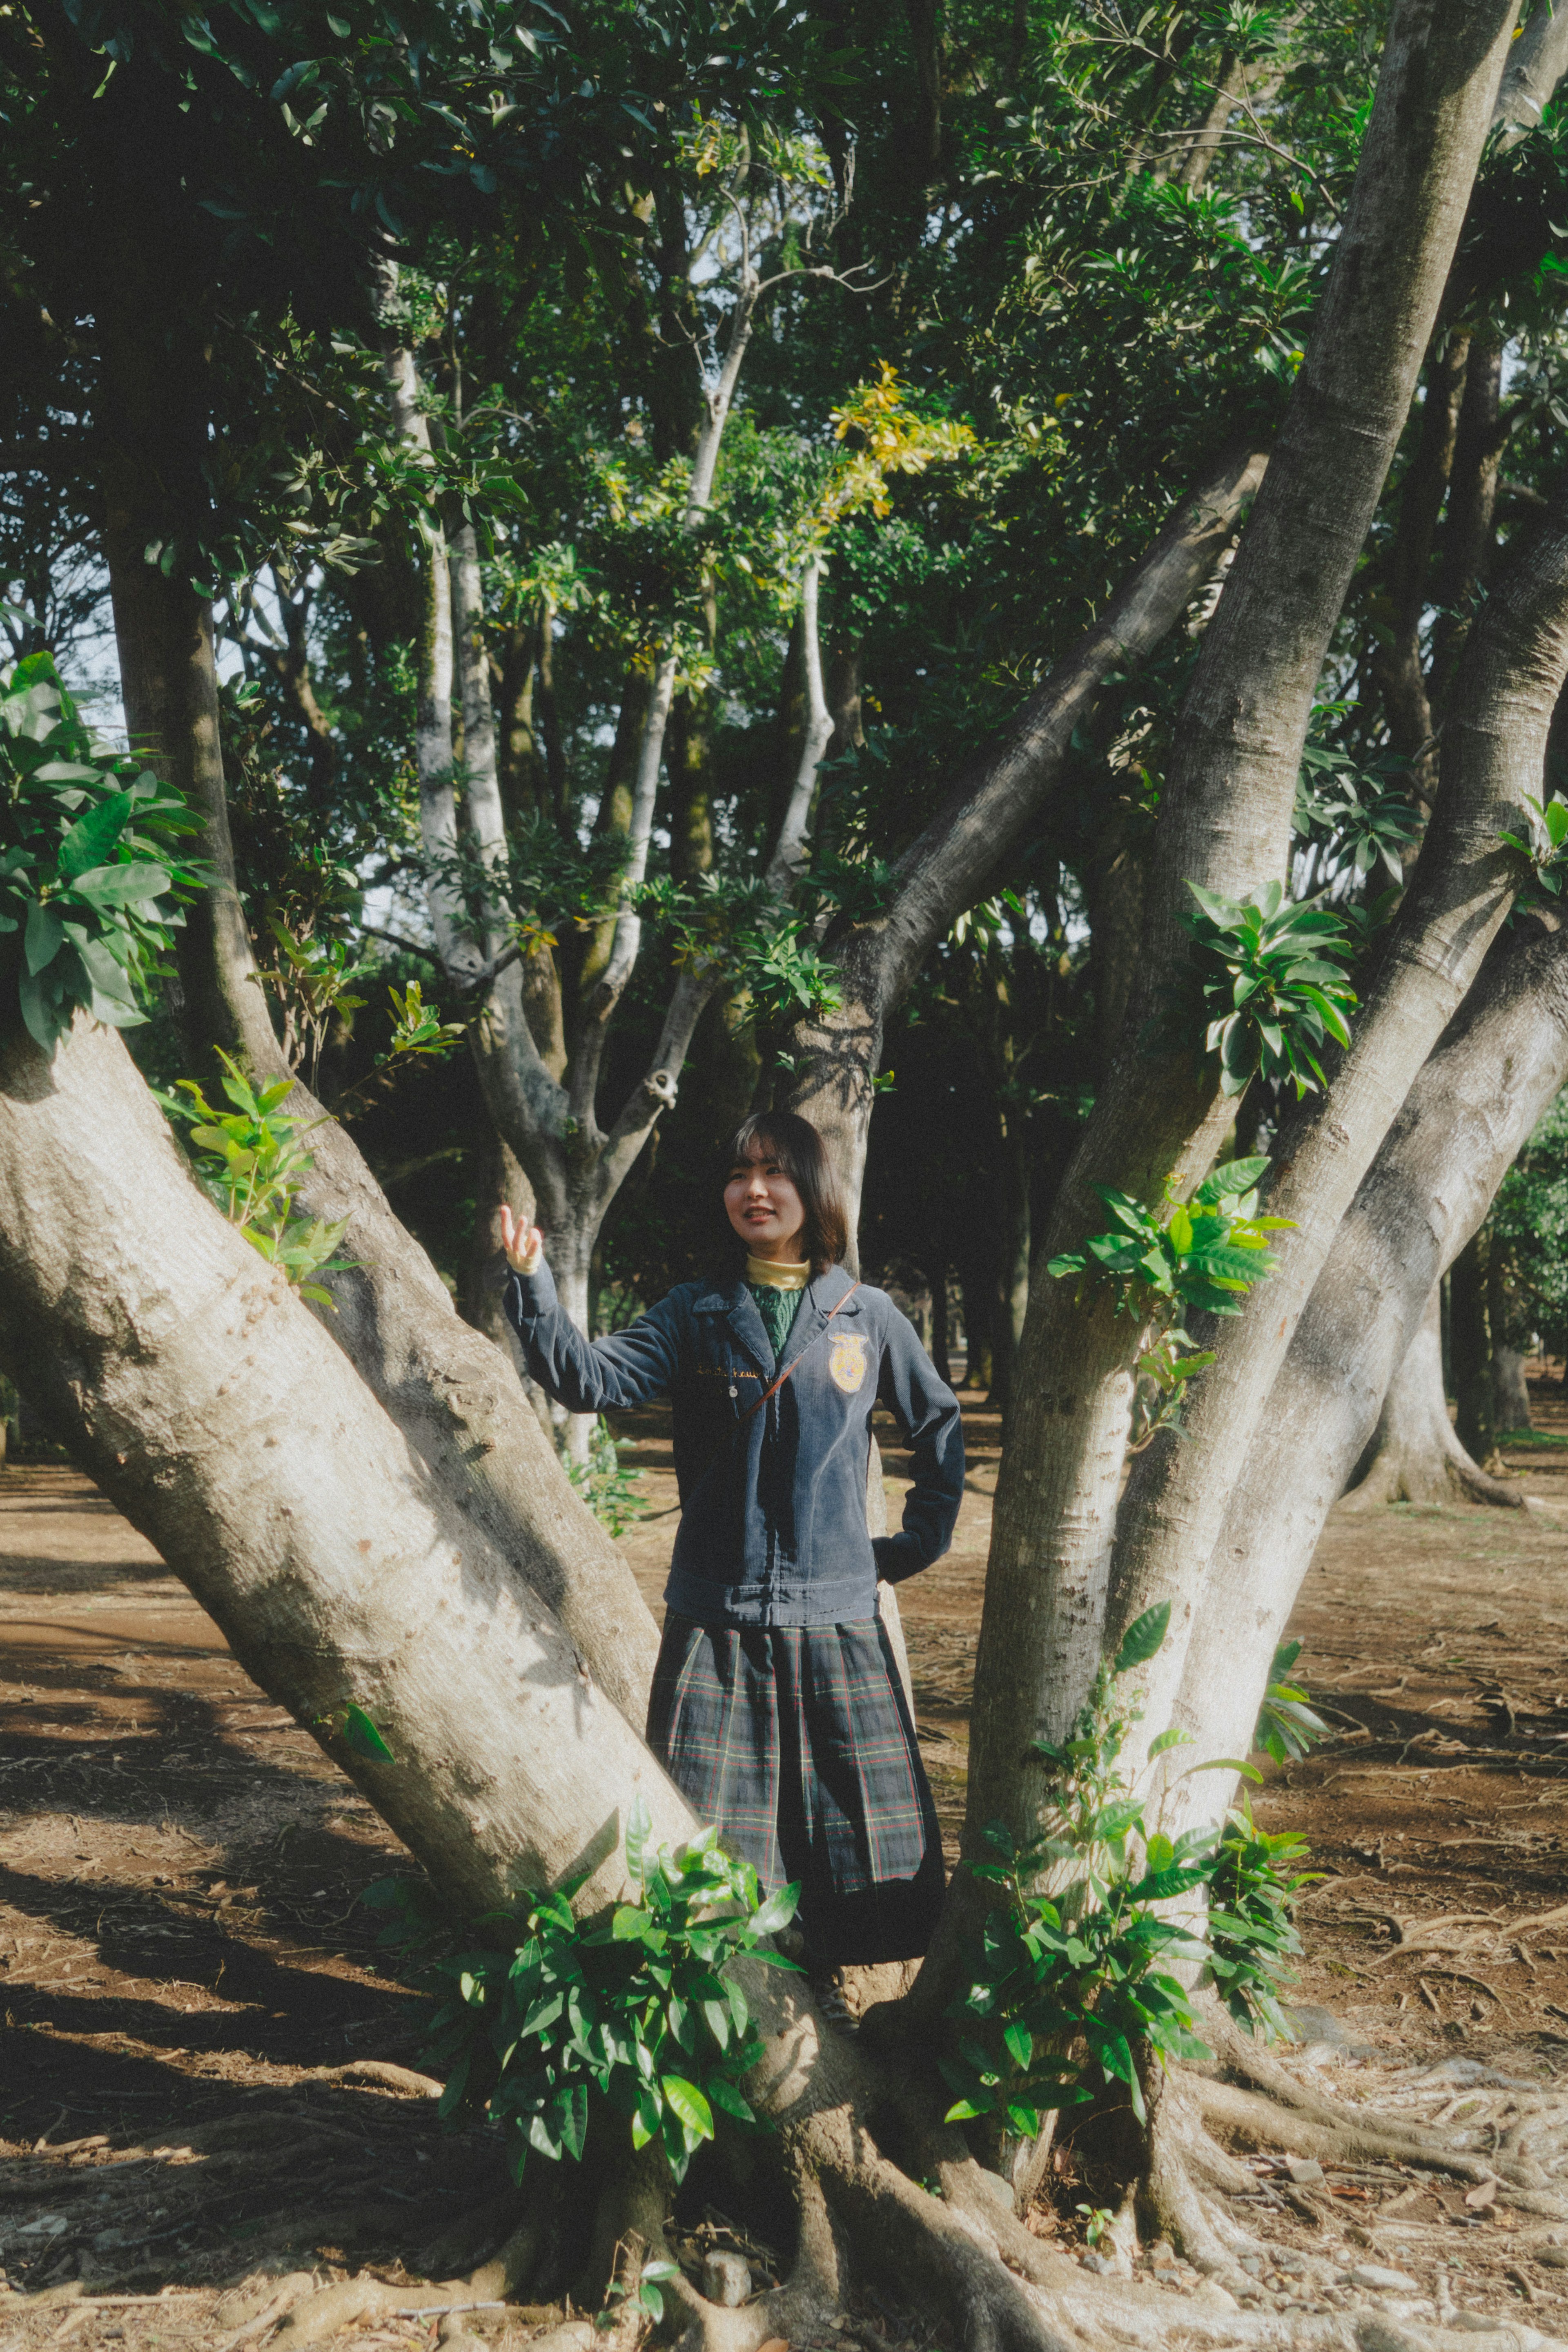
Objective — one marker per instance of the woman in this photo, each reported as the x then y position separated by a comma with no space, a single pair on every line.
777,1706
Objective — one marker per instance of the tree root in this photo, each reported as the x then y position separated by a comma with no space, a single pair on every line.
853,2146
321,2313
379,2071
1435,1470
1249,2113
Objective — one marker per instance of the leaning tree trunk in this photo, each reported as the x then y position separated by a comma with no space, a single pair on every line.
1225,824
453,1394
1493,757
1415,1457
216,1412
1471,1109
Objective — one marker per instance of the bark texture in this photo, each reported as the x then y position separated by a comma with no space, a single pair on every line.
1494,750
1471,1109
1225,825
1414,1455
217,1414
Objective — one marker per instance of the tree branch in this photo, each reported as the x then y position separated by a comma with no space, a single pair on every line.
987,812
1494,749
788,851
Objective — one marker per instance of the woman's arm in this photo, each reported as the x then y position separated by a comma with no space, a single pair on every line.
927,1411
591,1375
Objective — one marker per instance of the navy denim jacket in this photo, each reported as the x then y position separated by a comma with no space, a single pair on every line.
773,1526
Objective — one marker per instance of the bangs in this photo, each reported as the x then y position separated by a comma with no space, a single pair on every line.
794,1146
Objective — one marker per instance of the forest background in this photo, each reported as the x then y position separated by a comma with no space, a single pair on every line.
666,562
635,466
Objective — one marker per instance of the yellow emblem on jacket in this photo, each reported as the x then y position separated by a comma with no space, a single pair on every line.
847,1362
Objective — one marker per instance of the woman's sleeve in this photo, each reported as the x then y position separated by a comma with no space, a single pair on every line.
591,1375
927,1411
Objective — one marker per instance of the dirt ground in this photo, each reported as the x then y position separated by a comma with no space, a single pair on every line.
194,2017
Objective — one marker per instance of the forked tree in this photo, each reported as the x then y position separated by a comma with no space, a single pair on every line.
373,1517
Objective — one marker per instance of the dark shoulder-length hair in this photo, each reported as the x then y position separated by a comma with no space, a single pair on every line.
799,1150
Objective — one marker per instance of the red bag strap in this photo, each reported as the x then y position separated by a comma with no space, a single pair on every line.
806,1351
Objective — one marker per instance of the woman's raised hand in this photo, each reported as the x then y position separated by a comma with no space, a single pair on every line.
523,1244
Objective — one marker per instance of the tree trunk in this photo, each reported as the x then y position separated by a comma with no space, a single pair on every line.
1493,750
1225,823
1470,1344
1415,1457
980,1370
1011,1309
1468,530
233,1434
1511,1391
938,1346
1397,664
1470,1110
1116,942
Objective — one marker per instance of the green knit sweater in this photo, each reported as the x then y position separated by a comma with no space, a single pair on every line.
778,1309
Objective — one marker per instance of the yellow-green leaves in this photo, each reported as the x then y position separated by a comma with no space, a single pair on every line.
250,1162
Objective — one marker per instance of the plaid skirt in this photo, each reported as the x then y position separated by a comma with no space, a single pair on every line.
796,1742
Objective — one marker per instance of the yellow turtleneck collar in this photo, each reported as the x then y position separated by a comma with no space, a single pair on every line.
765,1270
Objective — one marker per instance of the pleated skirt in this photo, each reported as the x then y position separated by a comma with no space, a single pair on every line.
796,1743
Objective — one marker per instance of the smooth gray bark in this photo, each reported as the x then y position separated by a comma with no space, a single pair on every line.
1511,1391
215,1412
1226,824
1415,1456
1536,64
1471,1109
1494,750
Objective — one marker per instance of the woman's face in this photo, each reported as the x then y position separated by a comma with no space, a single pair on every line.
764,1207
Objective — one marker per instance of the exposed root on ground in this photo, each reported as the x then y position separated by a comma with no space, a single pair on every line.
862,2185
1439,1472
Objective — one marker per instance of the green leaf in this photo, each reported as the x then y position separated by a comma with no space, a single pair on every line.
42,939
1226,1183
364,1738
571,2107
92,837
121,886
1143,1638
638,1824
43,1019
1175,1737
778,1911
1226,1764
724,2095
688,2103
1019,2042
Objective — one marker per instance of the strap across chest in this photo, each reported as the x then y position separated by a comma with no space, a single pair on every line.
779,1382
